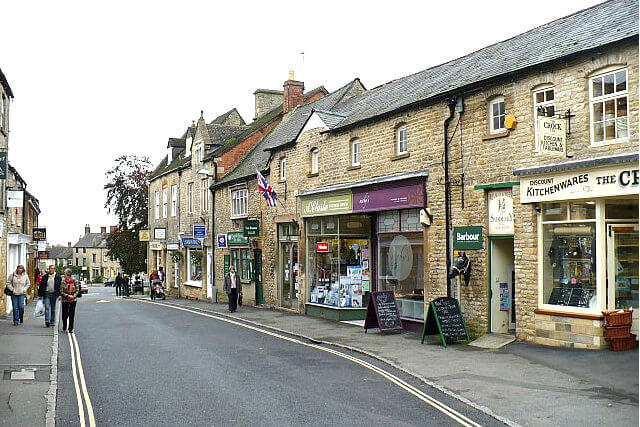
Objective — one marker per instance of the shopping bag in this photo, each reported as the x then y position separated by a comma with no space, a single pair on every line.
39,312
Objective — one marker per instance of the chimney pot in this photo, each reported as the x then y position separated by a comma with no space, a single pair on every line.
68,244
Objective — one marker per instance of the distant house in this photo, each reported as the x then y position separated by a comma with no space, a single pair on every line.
90,254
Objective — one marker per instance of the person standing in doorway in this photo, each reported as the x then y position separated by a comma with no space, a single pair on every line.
233,288
49,290
69,294
18,283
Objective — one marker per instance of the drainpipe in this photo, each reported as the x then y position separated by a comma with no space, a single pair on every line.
214,241
451,103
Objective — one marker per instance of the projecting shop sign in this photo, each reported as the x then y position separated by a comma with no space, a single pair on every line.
467,237
552,136
500,212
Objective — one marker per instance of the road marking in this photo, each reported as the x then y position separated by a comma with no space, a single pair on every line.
446,410
75,351
101,301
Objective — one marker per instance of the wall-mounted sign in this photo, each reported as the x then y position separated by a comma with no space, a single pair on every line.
327,204
322,247
39,234
585,184
44,255
144,235
173,246
237,238
552,136
222,240
190,242
500,211
467,237
389,196
155,246
42,246
3,165
199,231
15,198
251,227
159,233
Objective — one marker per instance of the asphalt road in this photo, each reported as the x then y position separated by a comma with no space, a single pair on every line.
146,364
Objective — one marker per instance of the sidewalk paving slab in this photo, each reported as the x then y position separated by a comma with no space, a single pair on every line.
520,383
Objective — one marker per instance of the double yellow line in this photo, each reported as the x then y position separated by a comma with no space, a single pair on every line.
431,401
78,372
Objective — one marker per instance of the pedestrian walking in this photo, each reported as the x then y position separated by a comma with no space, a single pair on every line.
126,286
18,283
233,288
154,277
69,294
119,283
49,290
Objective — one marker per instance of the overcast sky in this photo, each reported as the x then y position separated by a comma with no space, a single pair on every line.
95,81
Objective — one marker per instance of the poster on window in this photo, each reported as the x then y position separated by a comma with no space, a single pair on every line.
552,136
505,297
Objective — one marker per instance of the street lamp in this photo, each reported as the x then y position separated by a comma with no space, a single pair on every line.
205,172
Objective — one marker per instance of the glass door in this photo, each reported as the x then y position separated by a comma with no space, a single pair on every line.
290,274
622,268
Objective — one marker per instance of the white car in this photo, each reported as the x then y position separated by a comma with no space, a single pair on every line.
84,287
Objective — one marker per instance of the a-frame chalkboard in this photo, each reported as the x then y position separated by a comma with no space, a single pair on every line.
444,318
382,312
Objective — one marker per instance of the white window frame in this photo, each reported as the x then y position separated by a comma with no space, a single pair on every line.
204,196
494,101
546,104
402,145
190,197
283,169
3,112
165,202
196,283
355,152
314,161
593,100
197,153
239,197
174,200
157,205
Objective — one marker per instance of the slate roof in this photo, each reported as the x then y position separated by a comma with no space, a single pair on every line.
221,133
223,117
587,29
60,252
92,240
286,132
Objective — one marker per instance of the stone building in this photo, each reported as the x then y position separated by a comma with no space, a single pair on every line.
6,95
90,255
526,154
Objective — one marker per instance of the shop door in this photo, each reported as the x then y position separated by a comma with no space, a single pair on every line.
502,286
289,274
622,269
209,278
257,274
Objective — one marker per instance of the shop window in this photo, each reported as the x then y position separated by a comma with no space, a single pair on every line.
544,105
401,140
410,220
239,201
242,261
569,255
622,209
289,232
388,221
609,121
194,264
497,115
330,225
314,161
396,221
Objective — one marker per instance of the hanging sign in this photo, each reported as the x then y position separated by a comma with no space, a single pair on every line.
199,231
189,242
251,227
222,240
144,235
44,255
15,198
155,246
552,136
173,246
467,237
39,234
327,204
237,238
445,319
500,212
382,312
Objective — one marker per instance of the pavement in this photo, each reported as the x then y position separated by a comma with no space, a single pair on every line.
28,358
520,383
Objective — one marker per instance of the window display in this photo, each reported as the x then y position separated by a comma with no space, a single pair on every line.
338,251
195,265
241,260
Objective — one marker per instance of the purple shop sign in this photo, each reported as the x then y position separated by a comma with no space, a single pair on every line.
388,196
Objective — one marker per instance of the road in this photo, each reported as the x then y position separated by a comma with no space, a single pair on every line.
147,364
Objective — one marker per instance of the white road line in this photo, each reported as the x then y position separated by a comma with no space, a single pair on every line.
75,384
85,392
451,413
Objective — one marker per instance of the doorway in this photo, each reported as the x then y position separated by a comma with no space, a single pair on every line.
257,274
209,273
622,269
289,269
502,285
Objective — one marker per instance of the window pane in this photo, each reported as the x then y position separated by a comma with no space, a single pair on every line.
598,132
621,209
551,111
410,220
539,97
621,81
501,126
569,273
550,94
610,129
389,221
496,122
585,210
495,110
501,104
608,84
621,106
609,110
597,86
554,212
597,112
622,128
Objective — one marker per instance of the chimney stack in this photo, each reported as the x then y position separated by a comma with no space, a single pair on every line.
113,229
103,230
293,94
87,229
68,244
266,100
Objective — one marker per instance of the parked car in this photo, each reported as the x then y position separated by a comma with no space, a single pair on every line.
110,282
84,287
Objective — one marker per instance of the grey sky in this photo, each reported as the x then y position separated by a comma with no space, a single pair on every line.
94,81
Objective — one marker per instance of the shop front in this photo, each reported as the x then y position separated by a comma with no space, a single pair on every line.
587,246
365,239
242,256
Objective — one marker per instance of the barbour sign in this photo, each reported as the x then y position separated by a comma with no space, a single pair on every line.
467,237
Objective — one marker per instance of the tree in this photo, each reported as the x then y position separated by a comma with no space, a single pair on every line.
127,198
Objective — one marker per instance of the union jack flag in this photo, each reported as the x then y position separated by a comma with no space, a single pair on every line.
267,191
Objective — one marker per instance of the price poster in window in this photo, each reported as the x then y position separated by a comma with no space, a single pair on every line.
505,298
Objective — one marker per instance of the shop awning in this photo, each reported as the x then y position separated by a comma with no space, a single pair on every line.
190,242
378,180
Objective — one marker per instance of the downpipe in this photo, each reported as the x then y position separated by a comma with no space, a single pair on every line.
451,103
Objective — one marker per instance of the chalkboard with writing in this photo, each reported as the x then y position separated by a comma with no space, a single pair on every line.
382,312
445,319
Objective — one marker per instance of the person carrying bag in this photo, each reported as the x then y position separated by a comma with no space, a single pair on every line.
18,284
69,293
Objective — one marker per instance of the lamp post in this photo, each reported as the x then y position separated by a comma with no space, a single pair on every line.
205,172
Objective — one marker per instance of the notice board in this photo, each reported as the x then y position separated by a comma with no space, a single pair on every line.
382,312
444,318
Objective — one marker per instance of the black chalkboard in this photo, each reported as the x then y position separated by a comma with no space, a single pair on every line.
445,318
382,312
575,297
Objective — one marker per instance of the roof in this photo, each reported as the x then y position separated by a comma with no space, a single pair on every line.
92,240
286,132
587,29
60,252
589,163
221,119
218,134
5,84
